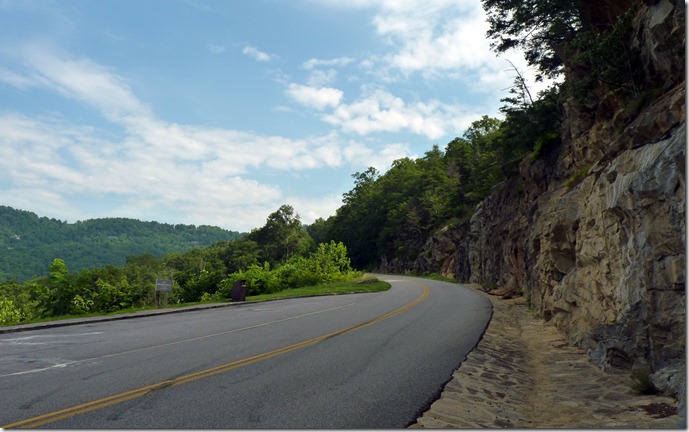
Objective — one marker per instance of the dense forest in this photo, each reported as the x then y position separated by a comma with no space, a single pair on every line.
28,243
393,214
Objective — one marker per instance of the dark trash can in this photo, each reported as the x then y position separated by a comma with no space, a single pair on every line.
239,291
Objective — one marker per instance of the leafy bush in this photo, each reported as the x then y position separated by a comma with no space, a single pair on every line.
81,305
328,263
9,314
111,297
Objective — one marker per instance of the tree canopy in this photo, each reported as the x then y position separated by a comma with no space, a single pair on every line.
542,28
590,40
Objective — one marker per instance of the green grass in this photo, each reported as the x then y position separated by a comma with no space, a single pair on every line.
347,287
583,172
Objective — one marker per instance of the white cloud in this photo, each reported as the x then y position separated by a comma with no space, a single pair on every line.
380,111
155,169
314,97
319,78
437,40
83,80
256,54
336,62
440,39
322,207
17,80
380,160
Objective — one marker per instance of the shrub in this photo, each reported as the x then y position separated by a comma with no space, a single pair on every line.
329,263
640,381
9,314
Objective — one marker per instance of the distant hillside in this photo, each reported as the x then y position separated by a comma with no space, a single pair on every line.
29,243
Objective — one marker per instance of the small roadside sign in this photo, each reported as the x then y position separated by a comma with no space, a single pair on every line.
163,285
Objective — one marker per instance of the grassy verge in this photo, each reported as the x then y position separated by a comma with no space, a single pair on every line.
362,284
326,289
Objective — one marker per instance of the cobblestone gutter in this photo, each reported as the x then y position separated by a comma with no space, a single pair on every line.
523,374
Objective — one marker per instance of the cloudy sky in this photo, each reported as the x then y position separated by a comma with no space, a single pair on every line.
218,112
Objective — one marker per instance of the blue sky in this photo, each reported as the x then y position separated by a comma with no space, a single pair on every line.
218,112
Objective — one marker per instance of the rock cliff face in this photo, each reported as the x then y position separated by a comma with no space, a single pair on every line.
593,233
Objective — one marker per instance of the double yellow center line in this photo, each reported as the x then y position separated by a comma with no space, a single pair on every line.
54,416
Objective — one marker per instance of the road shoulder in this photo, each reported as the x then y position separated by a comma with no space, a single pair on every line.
523,374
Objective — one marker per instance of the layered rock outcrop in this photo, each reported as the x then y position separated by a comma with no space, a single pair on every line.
593,233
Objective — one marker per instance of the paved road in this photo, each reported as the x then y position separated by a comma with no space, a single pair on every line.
353,361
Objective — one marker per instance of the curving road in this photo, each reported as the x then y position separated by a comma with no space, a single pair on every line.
353,361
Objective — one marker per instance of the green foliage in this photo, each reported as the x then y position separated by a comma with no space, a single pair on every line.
393,214
106,289
606,59
541,28
319,230
361,217
594,40
282,237
200,274
259,279
533,127
79,305
574,179
29,244
329,263
58,292
9,314
112,296
542,142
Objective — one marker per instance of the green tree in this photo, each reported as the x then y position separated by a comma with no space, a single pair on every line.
59,289
358,222
606,60
282,237
475,161
320,230
590,40
239,254
330,261
541,28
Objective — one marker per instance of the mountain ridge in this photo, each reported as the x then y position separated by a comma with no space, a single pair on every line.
29,243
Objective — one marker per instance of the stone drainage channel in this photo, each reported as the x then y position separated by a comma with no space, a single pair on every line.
523,374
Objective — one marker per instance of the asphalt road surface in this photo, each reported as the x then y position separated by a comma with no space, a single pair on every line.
373,360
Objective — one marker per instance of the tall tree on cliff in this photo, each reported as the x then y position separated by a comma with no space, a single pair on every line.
590,41
544,28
